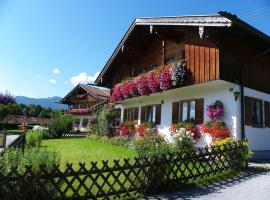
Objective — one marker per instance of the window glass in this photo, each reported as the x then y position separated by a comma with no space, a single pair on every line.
257,112
84,123
185,111
192,111
77,122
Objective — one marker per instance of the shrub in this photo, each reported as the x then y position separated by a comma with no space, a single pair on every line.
105,117
59,124
30,157
184,141
152,145
93,129
94,137
127,129
121,141
241,156
34,138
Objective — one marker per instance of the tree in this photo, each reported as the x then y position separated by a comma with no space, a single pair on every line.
7,98
60,124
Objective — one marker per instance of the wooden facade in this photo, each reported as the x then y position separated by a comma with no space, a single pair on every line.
221,53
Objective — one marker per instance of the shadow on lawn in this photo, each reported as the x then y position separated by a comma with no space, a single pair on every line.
195,190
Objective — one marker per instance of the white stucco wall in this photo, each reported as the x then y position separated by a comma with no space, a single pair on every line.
211,91
259,138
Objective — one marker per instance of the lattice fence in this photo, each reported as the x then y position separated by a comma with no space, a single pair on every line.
75,135
119,178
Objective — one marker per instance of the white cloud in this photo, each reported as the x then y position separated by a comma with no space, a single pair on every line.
83,78
37,76
52,81
56,71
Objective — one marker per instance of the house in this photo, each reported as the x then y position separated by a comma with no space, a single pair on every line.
224,59
84,102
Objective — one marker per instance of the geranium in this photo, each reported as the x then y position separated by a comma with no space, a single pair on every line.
132,88
117,93
126,89
140,130
142,85
177,72
216,129
153,81
165,78
124,132
215,111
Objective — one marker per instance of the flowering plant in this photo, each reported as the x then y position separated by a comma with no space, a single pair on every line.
216,129
177,72
165,79
184,141
126,89
153,81
215,110
142,86
132,88
162,78
141,130
124,132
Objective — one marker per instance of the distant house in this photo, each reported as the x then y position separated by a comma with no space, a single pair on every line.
226,59
84,101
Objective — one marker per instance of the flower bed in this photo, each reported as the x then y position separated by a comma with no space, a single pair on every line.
161,79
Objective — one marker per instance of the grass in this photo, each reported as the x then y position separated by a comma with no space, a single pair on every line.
77,150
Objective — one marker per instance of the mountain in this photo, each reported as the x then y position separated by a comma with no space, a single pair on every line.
50,102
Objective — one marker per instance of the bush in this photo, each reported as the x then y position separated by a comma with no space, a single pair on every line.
59,124
152,145
184,141
121,141
93,129
30,157
34,138
105,118
241,156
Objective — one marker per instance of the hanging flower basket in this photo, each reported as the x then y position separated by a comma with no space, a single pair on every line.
215,110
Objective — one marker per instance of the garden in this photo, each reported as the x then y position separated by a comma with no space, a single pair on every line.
136,161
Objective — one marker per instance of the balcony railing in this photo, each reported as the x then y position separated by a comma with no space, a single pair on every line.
82,111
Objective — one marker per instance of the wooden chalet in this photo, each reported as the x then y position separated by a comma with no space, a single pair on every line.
226,59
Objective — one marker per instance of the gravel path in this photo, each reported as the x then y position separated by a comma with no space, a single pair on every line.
249,185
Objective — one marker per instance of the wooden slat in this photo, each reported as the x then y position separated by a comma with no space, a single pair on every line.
207,63
217,63
212,61
201,65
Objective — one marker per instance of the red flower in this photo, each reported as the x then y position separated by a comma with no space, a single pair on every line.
216,129
126,89
142,85
165,78
153,81
124,132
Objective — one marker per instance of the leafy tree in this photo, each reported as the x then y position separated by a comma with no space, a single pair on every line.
59,124
6,98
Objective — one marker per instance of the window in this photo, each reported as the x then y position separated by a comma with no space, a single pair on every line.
151,113
76,122
84,123
188,110
131,114
253,112
267,114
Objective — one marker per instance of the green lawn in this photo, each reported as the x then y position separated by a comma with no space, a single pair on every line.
77,150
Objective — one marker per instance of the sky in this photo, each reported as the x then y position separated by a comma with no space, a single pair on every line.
47,47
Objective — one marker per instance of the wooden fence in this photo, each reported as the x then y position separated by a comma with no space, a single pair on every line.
120,178
75,135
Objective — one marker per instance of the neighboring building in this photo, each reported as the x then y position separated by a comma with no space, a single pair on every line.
227,60
84,101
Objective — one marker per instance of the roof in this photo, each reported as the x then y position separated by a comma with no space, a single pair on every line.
99,94
222,19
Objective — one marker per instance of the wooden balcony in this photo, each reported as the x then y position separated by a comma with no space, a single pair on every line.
79,111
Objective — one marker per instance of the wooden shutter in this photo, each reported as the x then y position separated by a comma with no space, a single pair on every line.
125,114
158,114
143,110
266,114
136,114
175,112
248,110
199,110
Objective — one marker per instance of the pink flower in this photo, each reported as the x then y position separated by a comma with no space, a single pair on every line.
165,78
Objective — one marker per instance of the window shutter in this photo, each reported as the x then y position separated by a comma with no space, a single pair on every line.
248,110
175,112
136,114
158,114
267,114
143,110
199,111
125,114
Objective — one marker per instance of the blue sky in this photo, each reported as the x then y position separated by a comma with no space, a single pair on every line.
43,44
